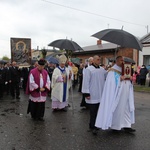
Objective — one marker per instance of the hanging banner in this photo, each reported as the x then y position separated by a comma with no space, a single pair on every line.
21,51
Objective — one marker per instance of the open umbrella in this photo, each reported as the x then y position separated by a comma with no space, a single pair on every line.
65,44
52,60
76,60
126,59
3,61
148,67
119,37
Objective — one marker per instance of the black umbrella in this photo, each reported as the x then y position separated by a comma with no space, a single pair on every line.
3,61
119,37
65,44
126,59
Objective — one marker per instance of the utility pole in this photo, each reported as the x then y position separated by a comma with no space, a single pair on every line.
108,25
147,28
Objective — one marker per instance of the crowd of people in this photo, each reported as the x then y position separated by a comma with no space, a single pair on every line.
10,80
140,75
105,91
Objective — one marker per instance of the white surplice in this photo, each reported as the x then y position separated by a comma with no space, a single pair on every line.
116,109
93,83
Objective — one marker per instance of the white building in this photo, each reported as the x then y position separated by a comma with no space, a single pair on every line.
144,55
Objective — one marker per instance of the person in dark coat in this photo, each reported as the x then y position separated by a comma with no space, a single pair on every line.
149,78
50,68
15,80
80,76
143,73
7,78
83,102
25,73
2,81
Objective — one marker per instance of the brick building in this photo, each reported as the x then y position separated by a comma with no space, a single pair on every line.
106,51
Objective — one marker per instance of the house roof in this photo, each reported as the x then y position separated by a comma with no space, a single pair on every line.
105,47
100,47
145,38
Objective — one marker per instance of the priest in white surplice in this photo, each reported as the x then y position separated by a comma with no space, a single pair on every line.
92,87
116,110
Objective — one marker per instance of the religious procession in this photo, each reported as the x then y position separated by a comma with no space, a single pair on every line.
114,110
105,91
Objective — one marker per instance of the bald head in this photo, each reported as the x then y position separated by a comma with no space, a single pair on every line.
90,60
96,60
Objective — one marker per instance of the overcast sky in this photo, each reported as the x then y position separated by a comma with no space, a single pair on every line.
47,20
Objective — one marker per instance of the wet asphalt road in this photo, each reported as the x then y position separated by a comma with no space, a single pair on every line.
68,130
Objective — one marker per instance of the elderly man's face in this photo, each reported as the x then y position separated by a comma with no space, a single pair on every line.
62,65
40,67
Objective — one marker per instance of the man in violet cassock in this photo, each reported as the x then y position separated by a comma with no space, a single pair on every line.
60,85
92,88
37,87
116,110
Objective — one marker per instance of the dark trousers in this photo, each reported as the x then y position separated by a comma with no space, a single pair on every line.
138,79
36,109
15,90
75,82
93,113
1,90
7,88
24,84
83,102
80,85
142,81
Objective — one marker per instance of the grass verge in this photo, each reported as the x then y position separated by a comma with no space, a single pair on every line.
139,88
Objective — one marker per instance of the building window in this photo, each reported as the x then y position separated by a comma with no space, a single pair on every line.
146,60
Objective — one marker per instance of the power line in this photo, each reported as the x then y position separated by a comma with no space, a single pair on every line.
91,13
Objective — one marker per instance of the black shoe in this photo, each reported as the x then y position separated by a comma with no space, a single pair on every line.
64,109
69,105
41,119
17,97
115,131
95,131
89,130
35,119
13,98
55,110
129,130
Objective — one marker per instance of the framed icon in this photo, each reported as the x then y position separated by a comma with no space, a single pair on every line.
127,70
